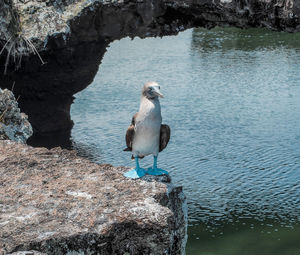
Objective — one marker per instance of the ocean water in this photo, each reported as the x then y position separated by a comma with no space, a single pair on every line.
232,100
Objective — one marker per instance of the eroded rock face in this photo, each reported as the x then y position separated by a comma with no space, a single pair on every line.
72,36
55,202
14,125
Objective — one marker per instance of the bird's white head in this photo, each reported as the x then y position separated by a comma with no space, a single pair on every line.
151,90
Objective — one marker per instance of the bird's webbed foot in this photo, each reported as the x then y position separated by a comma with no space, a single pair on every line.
135,173
156,171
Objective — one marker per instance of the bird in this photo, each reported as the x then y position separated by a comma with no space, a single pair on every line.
146,134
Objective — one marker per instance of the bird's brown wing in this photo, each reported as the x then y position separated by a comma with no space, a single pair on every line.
133,120
129,138
165,133
130,134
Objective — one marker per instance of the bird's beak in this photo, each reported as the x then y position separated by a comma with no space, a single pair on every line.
157,92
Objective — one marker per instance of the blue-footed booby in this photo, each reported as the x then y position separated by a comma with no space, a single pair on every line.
146,135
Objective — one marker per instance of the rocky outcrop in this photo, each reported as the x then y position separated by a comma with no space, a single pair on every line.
54,202
71,37
14,125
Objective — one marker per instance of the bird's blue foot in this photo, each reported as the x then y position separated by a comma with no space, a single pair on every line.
135,173
156,171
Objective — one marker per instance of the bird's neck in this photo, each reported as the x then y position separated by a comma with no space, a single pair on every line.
150,106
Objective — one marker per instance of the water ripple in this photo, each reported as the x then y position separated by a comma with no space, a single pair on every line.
232,101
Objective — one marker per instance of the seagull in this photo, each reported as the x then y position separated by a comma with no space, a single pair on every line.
146,135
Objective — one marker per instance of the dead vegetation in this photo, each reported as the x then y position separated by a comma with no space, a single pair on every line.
17,45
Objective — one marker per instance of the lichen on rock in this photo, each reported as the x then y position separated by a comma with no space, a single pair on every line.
14,125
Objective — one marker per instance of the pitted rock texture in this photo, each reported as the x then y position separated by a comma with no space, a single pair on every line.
55,202
8,20
14,125
73,35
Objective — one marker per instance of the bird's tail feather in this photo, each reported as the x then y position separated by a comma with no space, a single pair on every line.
140,157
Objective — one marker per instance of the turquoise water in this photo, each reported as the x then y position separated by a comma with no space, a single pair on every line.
232,100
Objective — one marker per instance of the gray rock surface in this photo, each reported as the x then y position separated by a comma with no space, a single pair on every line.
27,253
72,36
14,125
8,20
55,202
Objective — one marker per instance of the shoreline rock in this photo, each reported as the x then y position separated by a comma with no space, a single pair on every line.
14,125
54,202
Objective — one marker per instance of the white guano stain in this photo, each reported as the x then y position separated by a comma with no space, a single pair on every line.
79,194
225,1
25,217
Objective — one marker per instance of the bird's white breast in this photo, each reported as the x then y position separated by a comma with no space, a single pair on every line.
147,128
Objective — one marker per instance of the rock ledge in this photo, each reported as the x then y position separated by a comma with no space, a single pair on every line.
54,202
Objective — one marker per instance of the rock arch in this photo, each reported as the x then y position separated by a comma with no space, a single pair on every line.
72,36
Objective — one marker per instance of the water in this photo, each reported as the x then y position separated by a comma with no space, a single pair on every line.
232,100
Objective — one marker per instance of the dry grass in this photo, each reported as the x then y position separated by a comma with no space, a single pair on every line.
2,115
17,45
16,48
